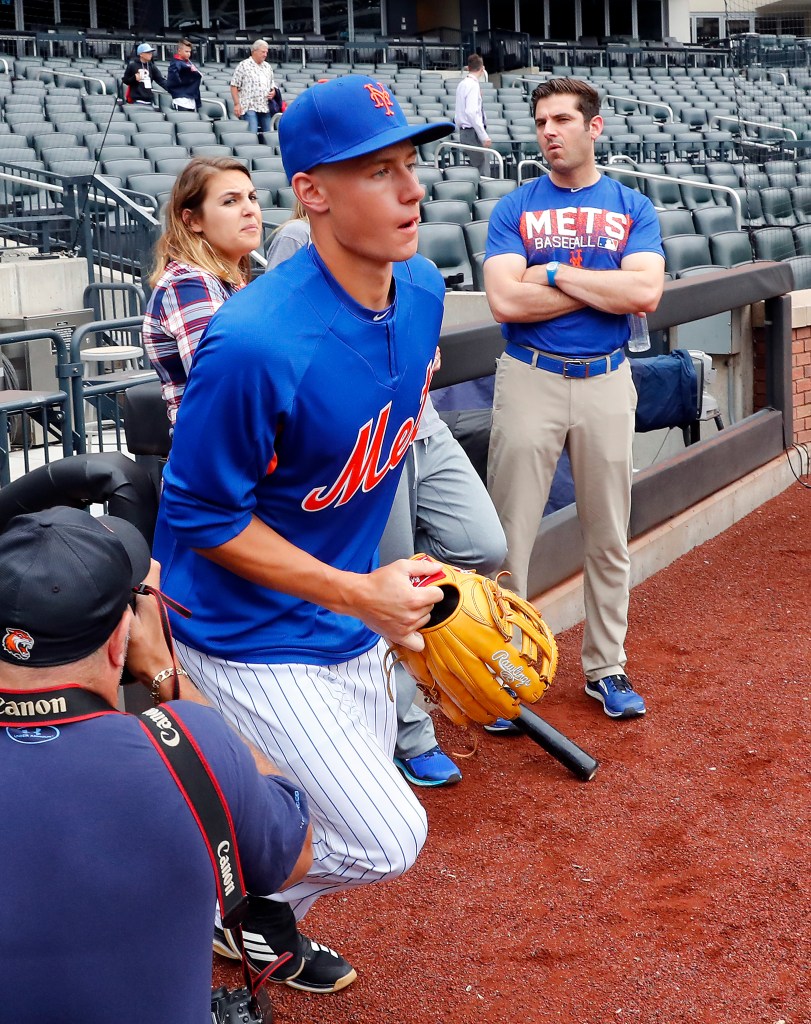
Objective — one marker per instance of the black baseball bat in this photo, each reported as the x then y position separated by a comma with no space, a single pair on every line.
579,763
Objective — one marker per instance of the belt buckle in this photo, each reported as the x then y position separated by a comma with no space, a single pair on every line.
574,362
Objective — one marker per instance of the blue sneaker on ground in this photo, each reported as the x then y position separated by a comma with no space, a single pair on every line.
433,768
502,726
618,697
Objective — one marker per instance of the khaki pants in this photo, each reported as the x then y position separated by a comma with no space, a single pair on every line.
536,413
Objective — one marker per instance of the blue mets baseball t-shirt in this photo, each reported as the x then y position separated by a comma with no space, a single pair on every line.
592,227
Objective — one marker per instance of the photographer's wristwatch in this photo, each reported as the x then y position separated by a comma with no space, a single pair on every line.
551,270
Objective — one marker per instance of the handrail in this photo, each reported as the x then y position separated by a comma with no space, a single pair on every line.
46,186
18,180
72,74
219,102
493,153
641,103
4,62
530,81
758,124
527,163
736,199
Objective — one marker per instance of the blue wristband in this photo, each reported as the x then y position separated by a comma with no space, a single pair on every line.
551,270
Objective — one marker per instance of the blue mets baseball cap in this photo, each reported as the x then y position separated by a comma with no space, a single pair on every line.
343,118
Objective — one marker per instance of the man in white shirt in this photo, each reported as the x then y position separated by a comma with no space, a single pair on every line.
251,86
469,115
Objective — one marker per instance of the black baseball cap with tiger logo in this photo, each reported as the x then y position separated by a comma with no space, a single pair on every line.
65,579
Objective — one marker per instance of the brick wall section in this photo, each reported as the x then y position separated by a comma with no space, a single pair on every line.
800,374
801,382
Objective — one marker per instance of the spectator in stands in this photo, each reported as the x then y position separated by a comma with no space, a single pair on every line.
140,74
96,832
469,116
568,257
289,237
213,222
252,87
183,79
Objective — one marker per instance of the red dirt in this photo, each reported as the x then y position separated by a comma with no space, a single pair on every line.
675,887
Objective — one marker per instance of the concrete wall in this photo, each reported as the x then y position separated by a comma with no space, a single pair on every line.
36,287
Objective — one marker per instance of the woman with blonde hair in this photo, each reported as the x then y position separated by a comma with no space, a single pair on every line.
213,222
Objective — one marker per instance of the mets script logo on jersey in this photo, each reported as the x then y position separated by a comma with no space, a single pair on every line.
381,98
367,464
575,227
18,643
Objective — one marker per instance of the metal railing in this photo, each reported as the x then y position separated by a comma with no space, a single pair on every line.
491,152
85,215
791,134
51,409
70,74
736,205
641,103
103,392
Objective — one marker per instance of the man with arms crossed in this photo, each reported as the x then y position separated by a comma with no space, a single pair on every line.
305,395
568,257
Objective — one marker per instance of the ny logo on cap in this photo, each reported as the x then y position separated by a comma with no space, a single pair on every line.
381,98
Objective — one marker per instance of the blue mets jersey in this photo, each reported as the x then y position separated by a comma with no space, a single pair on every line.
300,407
592,227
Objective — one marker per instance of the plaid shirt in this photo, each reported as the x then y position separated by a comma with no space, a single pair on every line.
184,300
254,82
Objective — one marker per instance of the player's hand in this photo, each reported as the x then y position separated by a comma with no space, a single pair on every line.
487,143
237,110
394,605
147,653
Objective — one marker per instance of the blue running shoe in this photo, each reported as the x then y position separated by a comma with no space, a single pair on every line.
618,697
433,768
502,727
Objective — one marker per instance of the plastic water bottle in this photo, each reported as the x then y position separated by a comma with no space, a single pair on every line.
639,338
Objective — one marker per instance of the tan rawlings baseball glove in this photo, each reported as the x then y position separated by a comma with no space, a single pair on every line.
487,650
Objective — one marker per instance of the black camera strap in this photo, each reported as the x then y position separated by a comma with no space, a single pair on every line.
61,705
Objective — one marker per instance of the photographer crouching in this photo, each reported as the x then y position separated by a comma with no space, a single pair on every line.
108,889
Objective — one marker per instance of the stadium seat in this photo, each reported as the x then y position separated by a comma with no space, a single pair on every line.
730,248
482,208
495,188
462,172
777,208
124,168
802,239
773,243
475,237
465,190
675,222
286,198
151,184
444,244
427,175
686,251
273,180
448,211
712,219
801,203
801,268
665,195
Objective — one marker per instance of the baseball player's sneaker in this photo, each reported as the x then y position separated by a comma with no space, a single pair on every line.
502,727
618,697
316,968
433,768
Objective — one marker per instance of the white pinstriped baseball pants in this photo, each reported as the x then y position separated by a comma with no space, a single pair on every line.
331,729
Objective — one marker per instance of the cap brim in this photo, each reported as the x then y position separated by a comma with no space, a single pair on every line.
133,542
416,133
